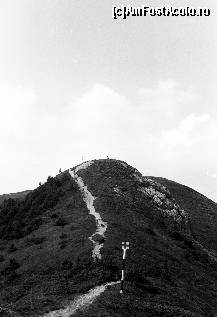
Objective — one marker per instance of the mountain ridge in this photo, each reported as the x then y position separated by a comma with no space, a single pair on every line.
171,265
17,195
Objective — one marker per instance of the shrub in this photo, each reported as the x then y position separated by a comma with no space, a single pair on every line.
36,240
54,216
63,244
13,264
63,236
1,258
150,230
12,276
73,227
61,222
189,242
11,267
33,226
177,236
67,264
12,248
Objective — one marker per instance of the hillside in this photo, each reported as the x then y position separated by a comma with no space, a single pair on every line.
64,239
202,212
19,195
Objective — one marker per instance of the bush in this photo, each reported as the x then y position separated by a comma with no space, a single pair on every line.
73,227
177,236
67,264
150,230
33,226
1,258
13,264
61,222
54,216
63,244
12,276
63,236
188,241
11,267
36,240
12,248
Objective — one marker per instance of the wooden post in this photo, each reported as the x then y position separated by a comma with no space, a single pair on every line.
125,247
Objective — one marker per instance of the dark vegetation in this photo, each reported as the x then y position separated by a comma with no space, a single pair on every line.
12,248
9,272
166,262
19,195
36,238
202,211
1,258
19,218
61,222
45,258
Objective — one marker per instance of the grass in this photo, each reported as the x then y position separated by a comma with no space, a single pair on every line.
41,253
168,272
130,303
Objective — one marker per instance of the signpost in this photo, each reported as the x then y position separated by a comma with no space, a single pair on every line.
125,247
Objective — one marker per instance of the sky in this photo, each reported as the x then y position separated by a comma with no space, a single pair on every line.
76,85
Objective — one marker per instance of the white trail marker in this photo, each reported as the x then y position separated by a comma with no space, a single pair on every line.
125,247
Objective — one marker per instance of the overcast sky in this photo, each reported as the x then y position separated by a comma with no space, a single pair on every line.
75,83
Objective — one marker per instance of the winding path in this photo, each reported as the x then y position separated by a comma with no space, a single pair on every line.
81,301
88,198
86,299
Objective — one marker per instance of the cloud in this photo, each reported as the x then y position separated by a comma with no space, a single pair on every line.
192,143
16,104
188,153
185,134
178,145
101,118
100,109
167,103
90,123
17,113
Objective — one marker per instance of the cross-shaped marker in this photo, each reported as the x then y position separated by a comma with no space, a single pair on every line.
125,247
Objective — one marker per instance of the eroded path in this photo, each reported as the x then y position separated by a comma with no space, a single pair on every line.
85,300
88,198
80,302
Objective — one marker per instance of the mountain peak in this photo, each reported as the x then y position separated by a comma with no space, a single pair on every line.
64,238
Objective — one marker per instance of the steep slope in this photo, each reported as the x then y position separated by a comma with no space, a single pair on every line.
64,239
202,212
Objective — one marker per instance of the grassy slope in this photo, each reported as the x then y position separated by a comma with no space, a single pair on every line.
168,273
19,195
49,256
165,265
203,212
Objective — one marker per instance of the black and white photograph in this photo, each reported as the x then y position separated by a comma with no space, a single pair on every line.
108,158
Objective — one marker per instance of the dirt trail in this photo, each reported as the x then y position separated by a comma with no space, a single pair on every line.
85,300
88,198
80,302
